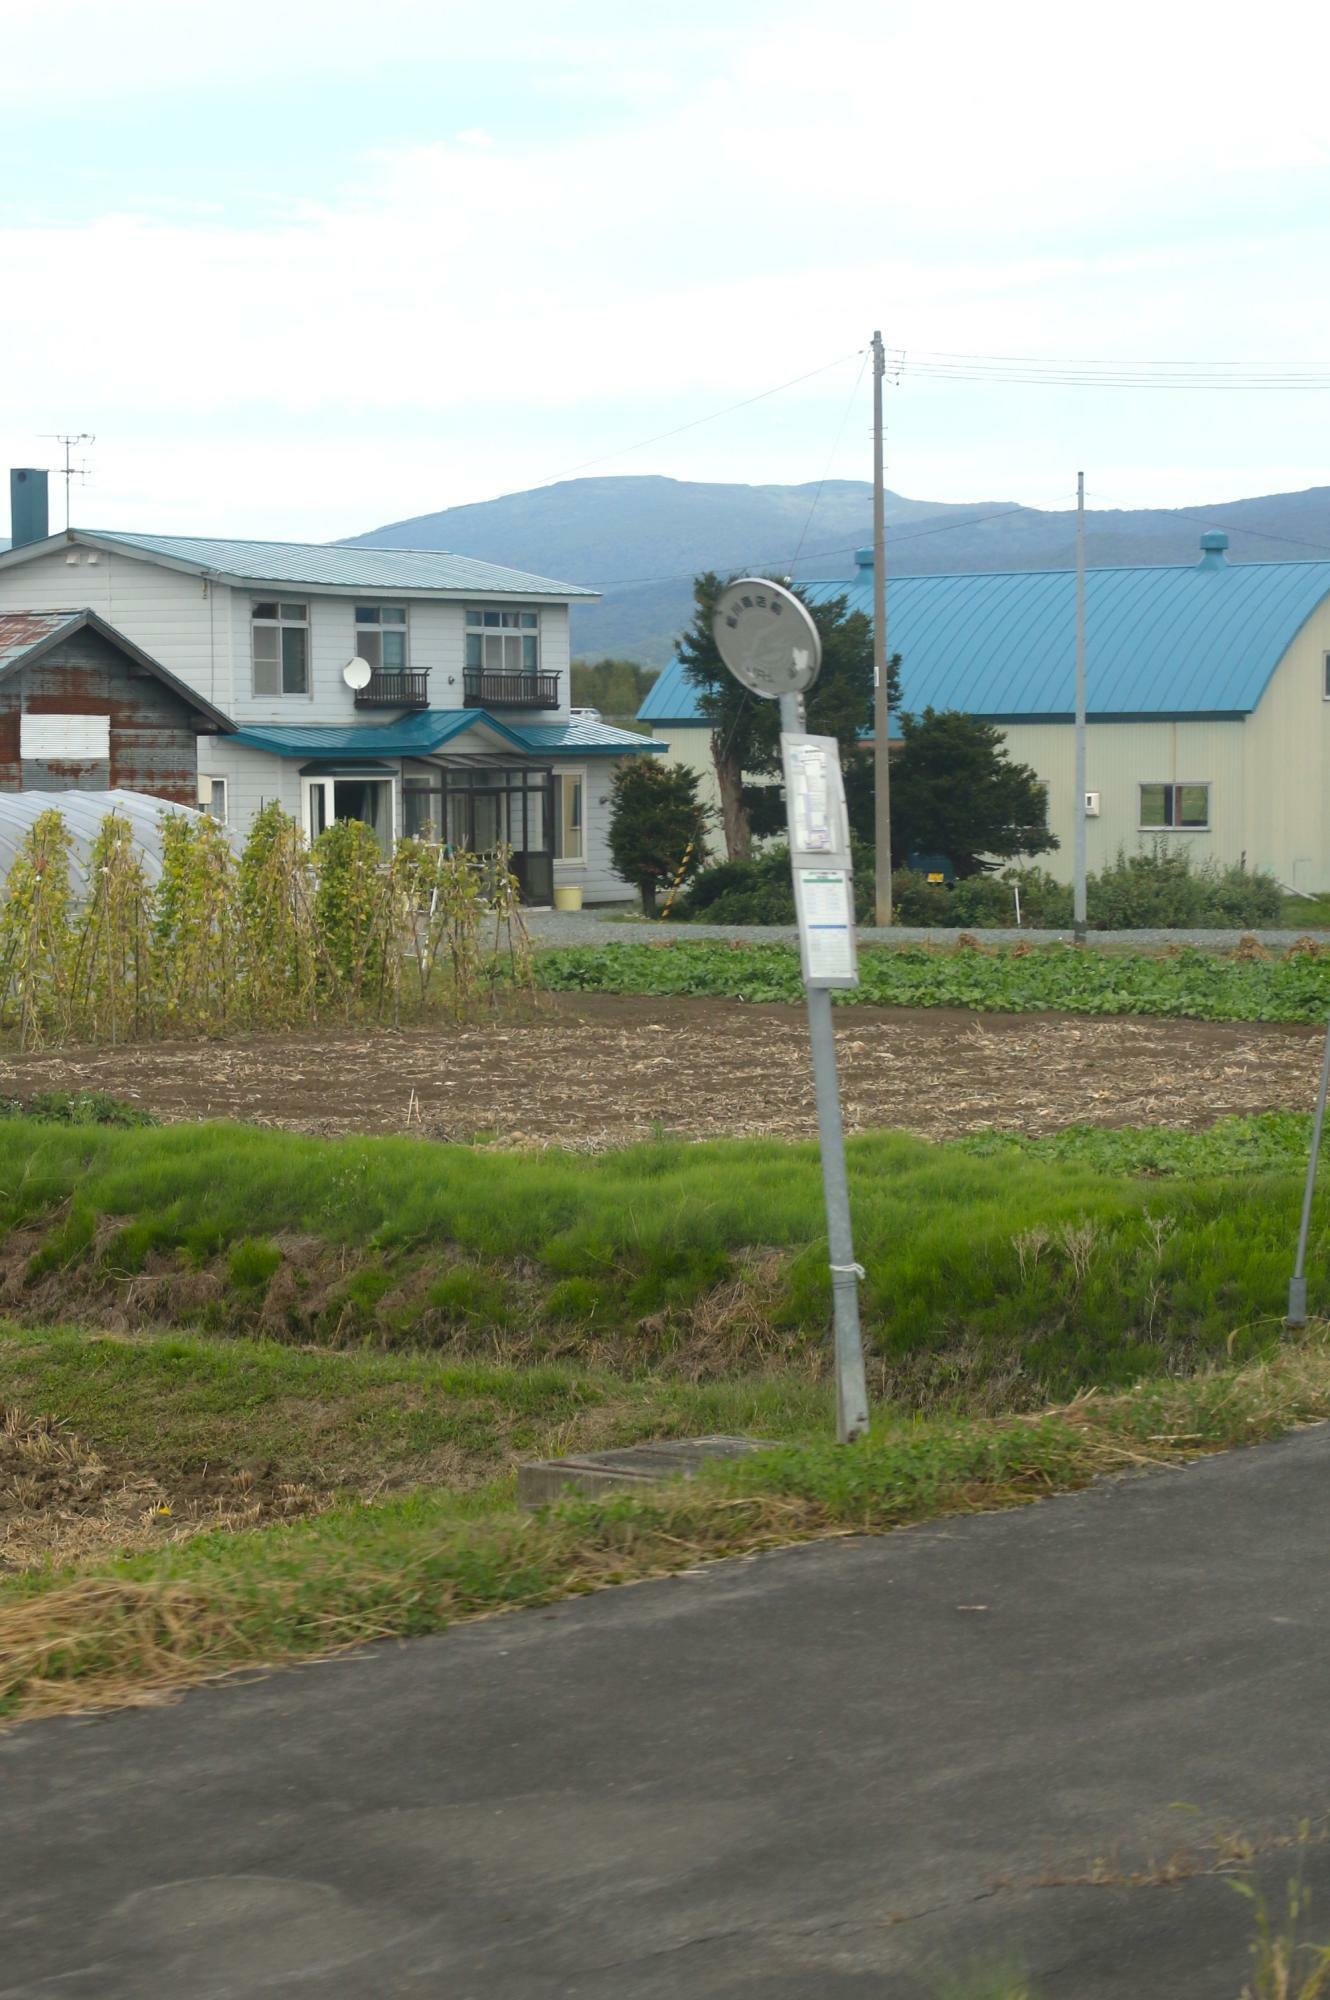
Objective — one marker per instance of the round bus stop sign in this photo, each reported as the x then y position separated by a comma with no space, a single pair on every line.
766,637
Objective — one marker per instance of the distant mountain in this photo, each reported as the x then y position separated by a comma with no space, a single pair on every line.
641,540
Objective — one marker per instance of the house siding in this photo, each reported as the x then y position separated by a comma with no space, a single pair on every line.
1122,756
436,645
1288,764
596,874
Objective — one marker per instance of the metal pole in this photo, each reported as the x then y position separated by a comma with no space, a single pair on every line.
881,715
1078,804
1297,1284
851,1384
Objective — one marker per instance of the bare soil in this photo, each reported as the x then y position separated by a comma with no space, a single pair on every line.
598,1070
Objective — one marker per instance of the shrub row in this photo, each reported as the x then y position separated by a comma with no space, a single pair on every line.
1160,888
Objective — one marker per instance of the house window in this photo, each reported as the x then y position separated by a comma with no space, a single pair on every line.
502,641
1185,808
280,638
569,815
381,636
212,797
1325,684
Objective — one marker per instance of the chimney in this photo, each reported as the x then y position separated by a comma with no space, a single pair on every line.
29,515
863,561
1213,543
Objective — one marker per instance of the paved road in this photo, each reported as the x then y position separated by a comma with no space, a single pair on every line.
841,1771
611,926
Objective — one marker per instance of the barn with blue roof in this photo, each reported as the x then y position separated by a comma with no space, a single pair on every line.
1208,696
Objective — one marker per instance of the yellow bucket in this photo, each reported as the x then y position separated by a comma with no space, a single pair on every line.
568,896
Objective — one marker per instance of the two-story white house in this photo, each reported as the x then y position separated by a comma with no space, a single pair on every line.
410,689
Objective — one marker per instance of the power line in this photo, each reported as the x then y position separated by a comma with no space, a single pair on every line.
745,403
831,460
1050,371
1257,534
756,563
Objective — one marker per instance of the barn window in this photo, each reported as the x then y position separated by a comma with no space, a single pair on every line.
381,636
281,647
1183,808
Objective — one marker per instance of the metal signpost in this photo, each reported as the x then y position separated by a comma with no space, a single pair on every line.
770,644
1297,1284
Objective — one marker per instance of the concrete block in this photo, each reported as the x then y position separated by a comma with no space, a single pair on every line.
633,1466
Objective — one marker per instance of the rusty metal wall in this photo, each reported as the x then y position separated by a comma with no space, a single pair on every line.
153,740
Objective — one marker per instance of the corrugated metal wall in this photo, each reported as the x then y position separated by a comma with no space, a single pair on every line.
148,743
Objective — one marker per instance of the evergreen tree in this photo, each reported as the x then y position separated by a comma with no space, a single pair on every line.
655,817
955,791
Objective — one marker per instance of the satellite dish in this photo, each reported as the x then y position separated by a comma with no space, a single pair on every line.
767,637
357,673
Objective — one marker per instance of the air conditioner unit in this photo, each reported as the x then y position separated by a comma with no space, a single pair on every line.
1092,805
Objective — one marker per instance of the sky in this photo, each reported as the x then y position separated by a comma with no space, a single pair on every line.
308,267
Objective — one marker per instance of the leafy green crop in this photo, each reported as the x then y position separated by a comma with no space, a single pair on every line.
1187,984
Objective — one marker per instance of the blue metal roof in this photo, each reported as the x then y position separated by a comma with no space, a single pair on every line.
345,568
429,730
672,698
1199,639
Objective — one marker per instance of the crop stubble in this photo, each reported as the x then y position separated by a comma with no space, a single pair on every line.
596,1070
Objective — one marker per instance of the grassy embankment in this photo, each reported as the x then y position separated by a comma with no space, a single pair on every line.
440,1311
999,1271
1241,985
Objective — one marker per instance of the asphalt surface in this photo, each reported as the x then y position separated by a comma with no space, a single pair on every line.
844,1770
615,925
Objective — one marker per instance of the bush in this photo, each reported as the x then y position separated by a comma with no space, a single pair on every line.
917,902
1162,888
759,891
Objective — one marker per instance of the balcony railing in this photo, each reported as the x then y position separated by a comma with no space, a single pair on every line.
484,687
408,690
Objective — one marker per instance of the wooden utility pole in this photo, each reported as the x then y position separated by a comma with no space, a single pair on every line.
881,715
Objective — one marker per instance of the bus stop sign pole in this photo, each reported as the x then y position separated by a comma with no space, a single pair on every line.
770,644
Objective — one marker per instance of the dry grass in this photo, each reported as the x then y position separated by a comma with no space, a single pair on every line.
62,1503
221,1602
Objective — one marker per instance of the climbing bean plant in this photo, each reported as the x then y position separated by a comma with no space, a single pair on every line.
280,935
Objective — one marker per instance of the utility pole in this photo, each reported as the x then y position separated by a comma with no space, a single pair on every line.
881,706
1078,804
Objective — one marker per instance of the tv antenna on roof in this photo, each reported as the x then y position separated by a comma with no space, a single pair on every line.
71,441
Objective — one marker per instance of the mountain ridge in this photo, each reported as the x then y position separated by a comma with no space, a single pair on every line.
641,538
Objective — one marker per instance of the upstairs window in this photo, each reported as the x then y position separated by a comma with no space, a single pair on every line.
1184,808
502,641
280,643
381,636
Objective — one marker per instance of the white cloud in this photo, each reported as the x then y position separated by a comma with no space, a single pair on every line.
465,317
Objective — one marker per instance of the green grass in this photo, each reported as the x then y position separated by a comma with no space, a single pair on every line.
411,1565
1197,985
1043,1266
358,1419
1305,913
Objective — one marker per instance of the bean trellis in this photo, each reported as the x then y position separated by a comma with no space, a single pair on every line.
282,935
